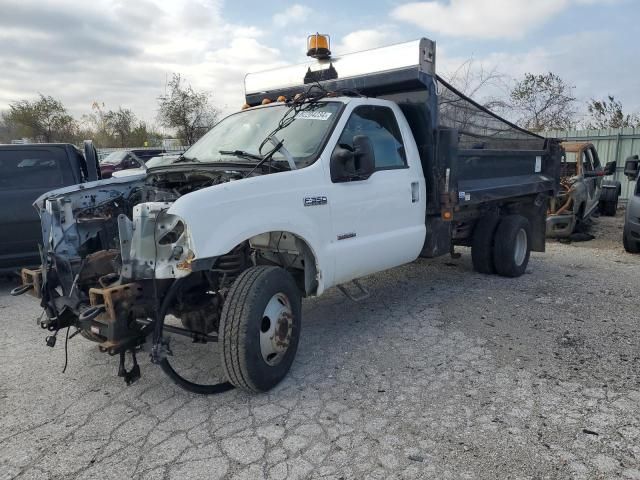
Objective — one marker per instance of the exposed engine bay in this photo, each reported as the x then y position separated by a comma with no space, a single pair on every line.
112,251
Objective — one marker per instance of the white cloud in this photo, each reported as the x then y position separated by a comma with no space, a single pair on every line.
295,13
366,39
121,53
481,18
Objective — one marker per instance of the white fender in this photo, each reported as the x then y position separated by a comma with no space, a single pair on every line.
222,216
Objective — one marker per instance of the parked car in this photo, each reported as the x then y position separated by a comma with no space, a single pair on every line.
631,231
146,154
26,172
119,160
583,191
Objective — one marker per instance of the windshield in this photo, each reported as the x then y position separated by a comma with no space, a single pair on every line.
114,157
245,131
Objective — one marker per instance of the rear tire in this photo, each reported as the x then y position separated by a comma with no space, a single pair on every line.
512,246
630,244
482,244
608,208
260,328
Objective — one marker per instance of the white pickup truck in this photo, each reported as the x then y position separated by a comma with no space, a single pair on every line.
336,169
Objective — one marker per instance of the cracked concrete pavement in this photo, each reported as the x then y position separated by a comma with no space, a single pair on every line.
442,373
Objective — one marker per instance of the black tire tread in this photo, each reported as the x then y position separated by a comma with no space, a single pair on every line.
503,255
609,208
233,313
630,245
482,245
235,317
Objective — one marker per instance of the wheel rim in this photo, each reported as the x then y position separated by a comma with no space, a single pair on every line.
521,247
276,329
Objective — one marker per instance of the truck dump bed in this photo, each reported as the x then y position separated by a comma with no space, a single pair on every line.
494,158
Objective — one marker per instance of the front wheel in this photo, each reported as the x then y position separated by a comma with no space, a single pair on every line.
512,246
260,328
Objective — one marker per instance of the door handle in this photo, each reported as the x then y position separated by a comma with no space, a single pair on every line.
415,192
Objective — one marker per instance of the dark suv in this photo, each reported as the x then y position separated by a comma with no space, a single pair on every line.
26,172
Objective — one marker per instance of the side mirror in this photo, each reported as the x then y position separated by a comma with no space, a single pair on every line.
610,168
353,163
632,167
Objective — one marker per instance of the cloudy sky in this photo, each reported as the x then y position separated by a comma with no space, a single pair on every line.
121,52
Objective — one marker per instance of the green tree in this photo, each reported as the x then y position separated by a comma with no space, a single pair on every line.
121,123
45,118
543,102
187,111
608,113
117,128
9,130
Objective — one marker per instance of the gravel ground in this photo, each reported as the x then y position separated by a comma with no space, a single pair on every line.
442,373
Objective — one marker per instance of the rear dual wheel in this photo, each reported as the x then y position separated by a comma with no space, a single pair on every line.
501,245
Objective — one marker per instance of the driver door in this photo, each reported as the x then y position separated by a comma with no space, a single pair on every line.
377,222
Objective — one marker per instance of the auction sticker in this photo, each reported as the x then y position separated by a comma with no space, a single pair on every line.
309,115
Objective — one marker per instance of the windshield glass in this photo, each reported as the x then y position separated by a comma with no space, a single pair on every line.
114,157
246,130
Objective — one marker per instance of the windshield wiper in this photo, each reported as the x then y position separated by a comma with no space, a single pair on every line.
241,154
182,158
267,158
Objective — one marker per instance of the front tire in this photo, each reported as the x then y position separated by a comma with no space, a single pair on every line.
512,246
260,328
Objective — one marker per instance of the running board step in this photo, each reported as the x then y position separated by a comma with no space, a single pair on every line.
361,294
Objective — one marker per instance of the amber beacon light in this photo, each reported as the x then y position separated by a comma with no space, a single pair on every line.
318,46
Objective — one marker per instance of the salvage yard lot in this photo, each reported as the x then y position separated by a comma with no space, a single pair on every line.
442,373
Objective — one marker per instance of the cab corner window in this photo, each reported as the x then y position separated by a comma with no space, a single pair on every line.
380,126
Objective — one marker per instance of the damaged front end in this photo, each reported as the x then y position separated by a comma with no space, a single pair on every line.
111,251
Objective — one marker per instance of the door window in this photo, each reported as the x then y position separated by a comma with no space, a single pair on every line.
379,124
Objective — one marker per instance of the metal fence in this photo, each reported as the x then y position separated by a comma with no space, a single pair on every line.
612,144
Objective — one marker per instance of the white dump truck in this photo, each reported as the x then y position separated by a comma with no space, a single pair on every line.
335,169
